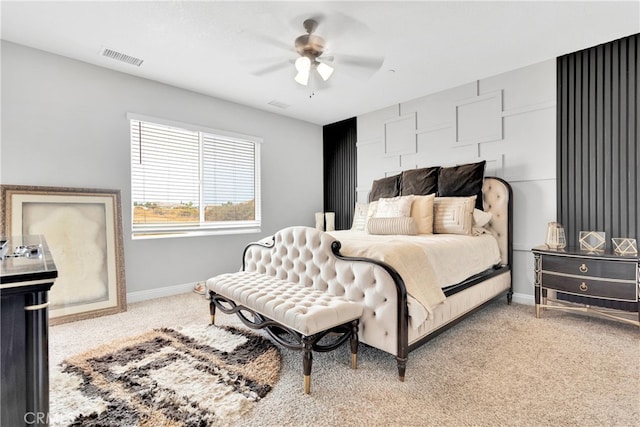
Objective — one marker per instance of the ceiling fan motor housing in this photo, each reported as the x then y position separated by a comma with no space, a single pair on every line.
310,45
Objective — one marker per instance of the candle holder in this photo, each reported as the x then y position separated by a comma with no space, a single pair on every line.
555,236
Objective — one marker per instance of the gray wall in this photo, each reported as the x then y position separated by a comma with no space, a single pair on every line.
64,125
509,120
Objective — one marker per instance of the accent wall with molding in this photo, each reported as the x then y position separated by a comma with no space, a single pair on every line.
509,120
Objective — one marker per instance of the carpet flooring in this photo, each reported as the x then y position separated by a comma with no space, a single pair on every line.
500,367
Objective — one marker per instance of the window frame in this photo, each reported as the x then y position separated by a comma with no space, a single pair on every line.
157,231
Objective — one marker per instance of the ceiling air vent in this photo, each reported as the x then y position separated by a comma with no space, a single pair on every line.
278,104
119,56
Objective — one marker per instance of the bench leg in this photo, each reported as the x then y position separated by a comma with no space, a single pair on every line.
354,344
307,359
212,310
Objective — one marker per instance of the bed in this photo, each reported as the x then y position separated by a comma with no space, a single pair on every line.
398,317
405,328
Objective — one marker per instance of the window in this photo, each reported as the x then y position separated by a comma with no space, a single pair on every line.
187,180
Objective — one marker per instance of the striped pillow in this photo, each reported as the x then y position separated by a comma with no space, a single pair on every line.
400,225
453,215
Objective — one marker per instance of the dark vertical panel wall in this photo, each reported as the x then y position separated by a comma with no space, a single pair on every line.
598,155
340,167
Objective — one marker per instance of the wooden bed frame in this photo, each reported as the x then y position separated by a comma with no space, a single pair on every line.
389,329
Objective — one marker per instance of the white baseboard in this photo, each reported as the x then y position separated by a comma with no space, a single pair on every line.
160,292
523,299
188,287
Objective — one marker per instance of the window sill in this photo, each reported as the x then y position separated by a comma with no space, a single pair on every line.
137,235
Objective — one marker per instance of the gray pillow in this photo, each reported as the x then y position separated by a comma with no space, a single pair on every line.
420,182
462,181
385,187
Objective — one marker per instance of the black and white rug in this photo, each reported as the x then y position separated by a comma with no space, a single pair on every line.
197,376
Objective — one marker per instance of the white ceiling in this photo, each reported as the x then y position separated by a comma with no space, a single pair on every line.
220,48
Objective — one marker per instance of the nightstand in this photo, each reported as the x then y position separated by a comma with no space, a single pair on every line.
604,277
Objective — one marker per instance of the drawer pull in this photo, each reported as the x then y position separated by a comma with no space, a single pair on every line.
584,287
583,268
37,307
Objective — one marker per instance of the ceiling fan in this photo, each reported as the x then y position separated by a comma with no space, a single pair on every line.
310,47
313,65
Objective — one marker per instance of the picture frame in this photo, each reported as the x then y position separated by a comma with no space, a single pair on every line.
83,229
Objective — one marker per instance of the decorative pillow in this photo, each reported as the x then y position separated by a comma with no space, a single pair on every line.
400,225
394,207
385,187
481,218
419,181
462,181
422,213
373,207
360,217
453,215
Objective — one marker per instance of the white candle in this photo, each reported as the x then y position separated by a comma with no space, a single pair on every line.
330,219
320,221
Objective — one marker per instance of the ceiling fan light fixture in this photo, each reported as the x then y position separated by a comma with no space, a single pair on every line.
303,64
302,77
324,70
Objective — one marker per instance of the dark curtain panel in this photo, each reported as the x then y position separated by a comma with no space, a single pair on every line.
598,155
340,166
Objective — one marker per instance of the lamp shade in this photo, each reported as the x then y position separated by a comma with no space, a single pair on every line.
302,77
303,65
324,70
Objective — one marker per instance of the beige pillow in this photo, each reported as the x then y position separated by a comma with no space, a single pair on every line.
360,217
394,207
453,215
400,225
373,207
422,213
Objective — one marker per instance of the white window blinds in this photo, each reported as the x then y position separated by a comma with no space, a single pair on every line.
187,181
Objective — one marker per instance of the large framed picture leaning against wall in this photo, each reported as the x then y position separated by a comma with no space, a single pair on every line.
83,229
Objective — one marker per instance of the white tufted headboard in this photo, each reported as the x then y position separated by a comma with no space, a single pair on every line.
497,199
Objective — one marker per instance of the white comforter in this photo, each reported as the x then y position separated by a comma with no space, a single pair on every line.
426,262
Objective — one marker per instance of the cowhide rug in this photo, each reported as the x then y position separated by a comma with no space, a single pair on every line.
199,376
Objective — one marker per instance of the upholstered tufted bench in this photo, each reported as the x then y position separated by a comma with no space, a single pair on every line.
296,310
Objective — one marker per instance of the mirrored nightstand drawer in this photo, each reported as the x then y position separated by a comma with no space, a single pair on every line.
622,291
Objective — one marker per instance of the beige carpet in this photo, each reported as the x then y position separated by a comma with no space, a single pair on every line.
500,367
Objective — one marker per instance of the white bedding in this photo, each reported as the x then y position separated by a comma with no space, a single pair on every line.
428,263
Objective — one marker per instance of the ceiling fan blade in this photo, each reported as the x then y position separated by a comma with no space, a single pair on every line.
370,62
271,68
272,41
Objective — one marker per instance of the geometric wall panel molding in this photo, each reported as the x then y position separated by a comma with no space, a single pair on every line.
478,119
400,135
495,166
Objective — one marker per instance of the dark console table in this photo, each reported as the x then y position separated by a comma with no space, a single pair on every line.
24,350
602,276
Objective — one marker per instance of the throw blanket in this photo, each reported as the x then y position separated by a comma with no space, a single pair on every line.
426,263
